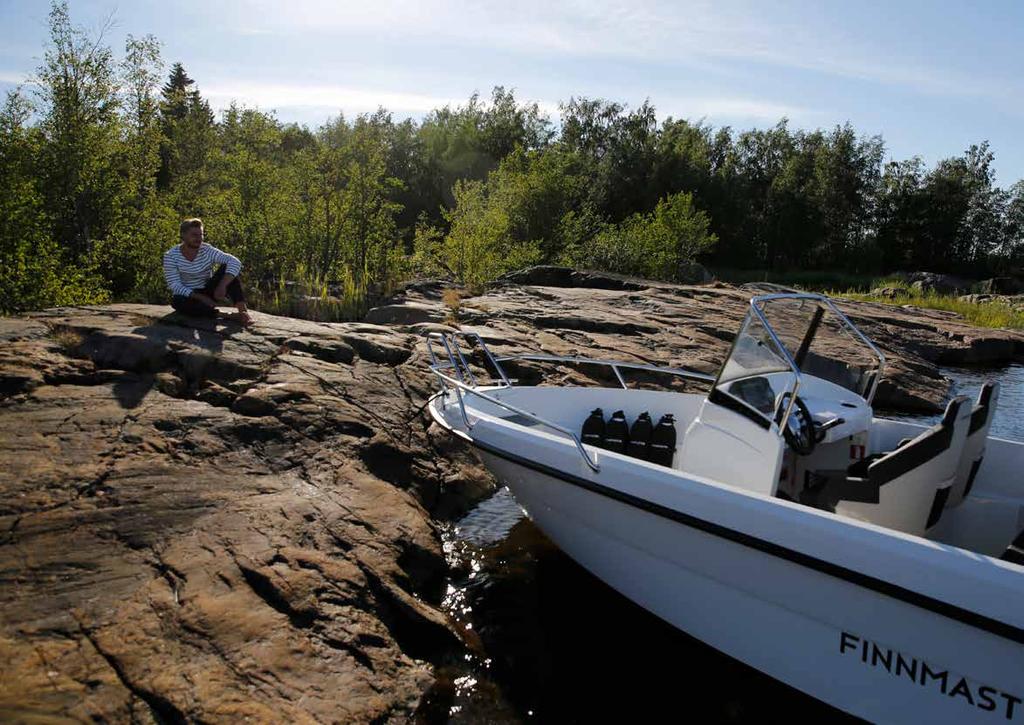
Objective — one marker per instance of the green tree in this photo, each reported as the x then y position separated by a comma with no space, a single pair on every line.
1010,255
981,227
130,253
372,251
140,69
661,244
847,171
250,213
96,177
481,244
189,142
78,94
32,273
621,147
537,190
528,210
901,214
468,142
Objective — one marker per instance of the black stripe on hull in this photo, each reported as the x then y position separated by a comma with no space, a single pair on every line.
951,611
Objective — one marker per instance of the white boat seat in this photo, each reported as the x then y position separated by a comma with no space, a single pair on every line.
974,447
904,489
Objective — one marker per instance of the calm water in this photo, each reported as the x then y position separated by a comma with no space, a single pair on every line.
1009,418
559,645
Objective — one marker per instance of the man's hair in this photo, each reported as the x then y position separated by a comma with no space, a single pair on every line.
189,224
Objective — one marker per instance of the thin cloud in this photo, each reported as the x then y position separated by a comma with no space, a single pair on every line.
748,109
13,77
698,34
331,98
328,99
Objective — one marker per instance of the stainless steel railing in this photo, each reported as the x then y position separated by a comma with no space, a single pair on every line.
461,387
757,305
462,380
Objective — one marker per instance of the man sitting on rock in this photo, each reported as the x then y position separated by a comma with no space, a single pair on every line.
187,270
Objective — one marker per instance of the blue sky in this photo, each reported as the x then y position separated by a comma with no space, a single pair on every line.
931,77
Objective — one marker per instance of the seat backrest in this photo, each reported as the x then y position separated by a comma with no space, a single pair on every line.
932,448
914,480
974,447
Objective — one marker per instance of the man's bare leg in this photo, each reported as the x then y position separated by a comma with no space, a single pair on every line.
241,316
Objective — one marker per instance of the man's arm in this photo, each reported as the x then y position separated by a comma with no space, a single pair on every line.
177,287
173,279
232,263
233,266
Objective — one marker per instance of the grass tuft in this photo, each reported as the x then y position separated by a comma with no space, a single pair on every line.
308,297
69,340
811,280
452,299
993,314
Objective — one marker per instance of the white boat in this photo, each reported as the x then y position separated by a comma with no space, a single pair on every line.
852,557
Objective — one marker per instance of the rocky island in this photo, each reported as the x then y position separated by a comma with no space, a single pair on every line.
201,522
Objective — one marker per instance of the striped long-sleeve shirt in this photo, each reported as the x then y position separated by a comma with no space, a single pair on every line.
183,276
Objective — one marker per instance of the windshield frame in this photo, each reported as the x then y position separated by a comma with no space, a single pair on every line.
757,305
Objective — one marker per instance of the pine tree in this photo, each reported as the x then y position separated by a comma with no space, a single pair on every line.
176,94
186,122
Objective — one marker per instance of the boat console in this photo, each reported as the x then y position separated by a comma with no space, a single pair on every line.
779,387
801,370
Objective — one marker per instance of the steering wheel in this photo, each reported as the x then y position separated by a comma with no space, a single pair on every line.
799,429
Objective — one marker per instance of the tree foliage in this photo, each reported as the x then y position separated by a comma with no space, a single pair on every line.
100,164
661,244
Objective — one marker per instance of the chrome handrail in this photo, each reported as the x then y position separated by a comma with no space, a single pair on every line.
839,313
869,396
756,306
487,352
864,338
797,380
459,366
457,361
614,365
448,348
462,360
469,389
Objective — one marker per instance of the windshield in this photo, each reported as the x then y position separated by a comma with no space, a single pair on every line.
786,334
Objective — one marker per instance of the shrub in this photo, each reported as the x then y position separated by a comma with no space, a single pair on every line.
658,245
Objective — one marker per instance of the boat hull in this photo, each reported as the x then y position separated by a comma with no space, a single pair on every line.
876,656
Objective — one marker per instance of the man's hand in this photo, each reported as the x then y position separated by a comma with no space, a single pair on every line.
222,289
204,299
